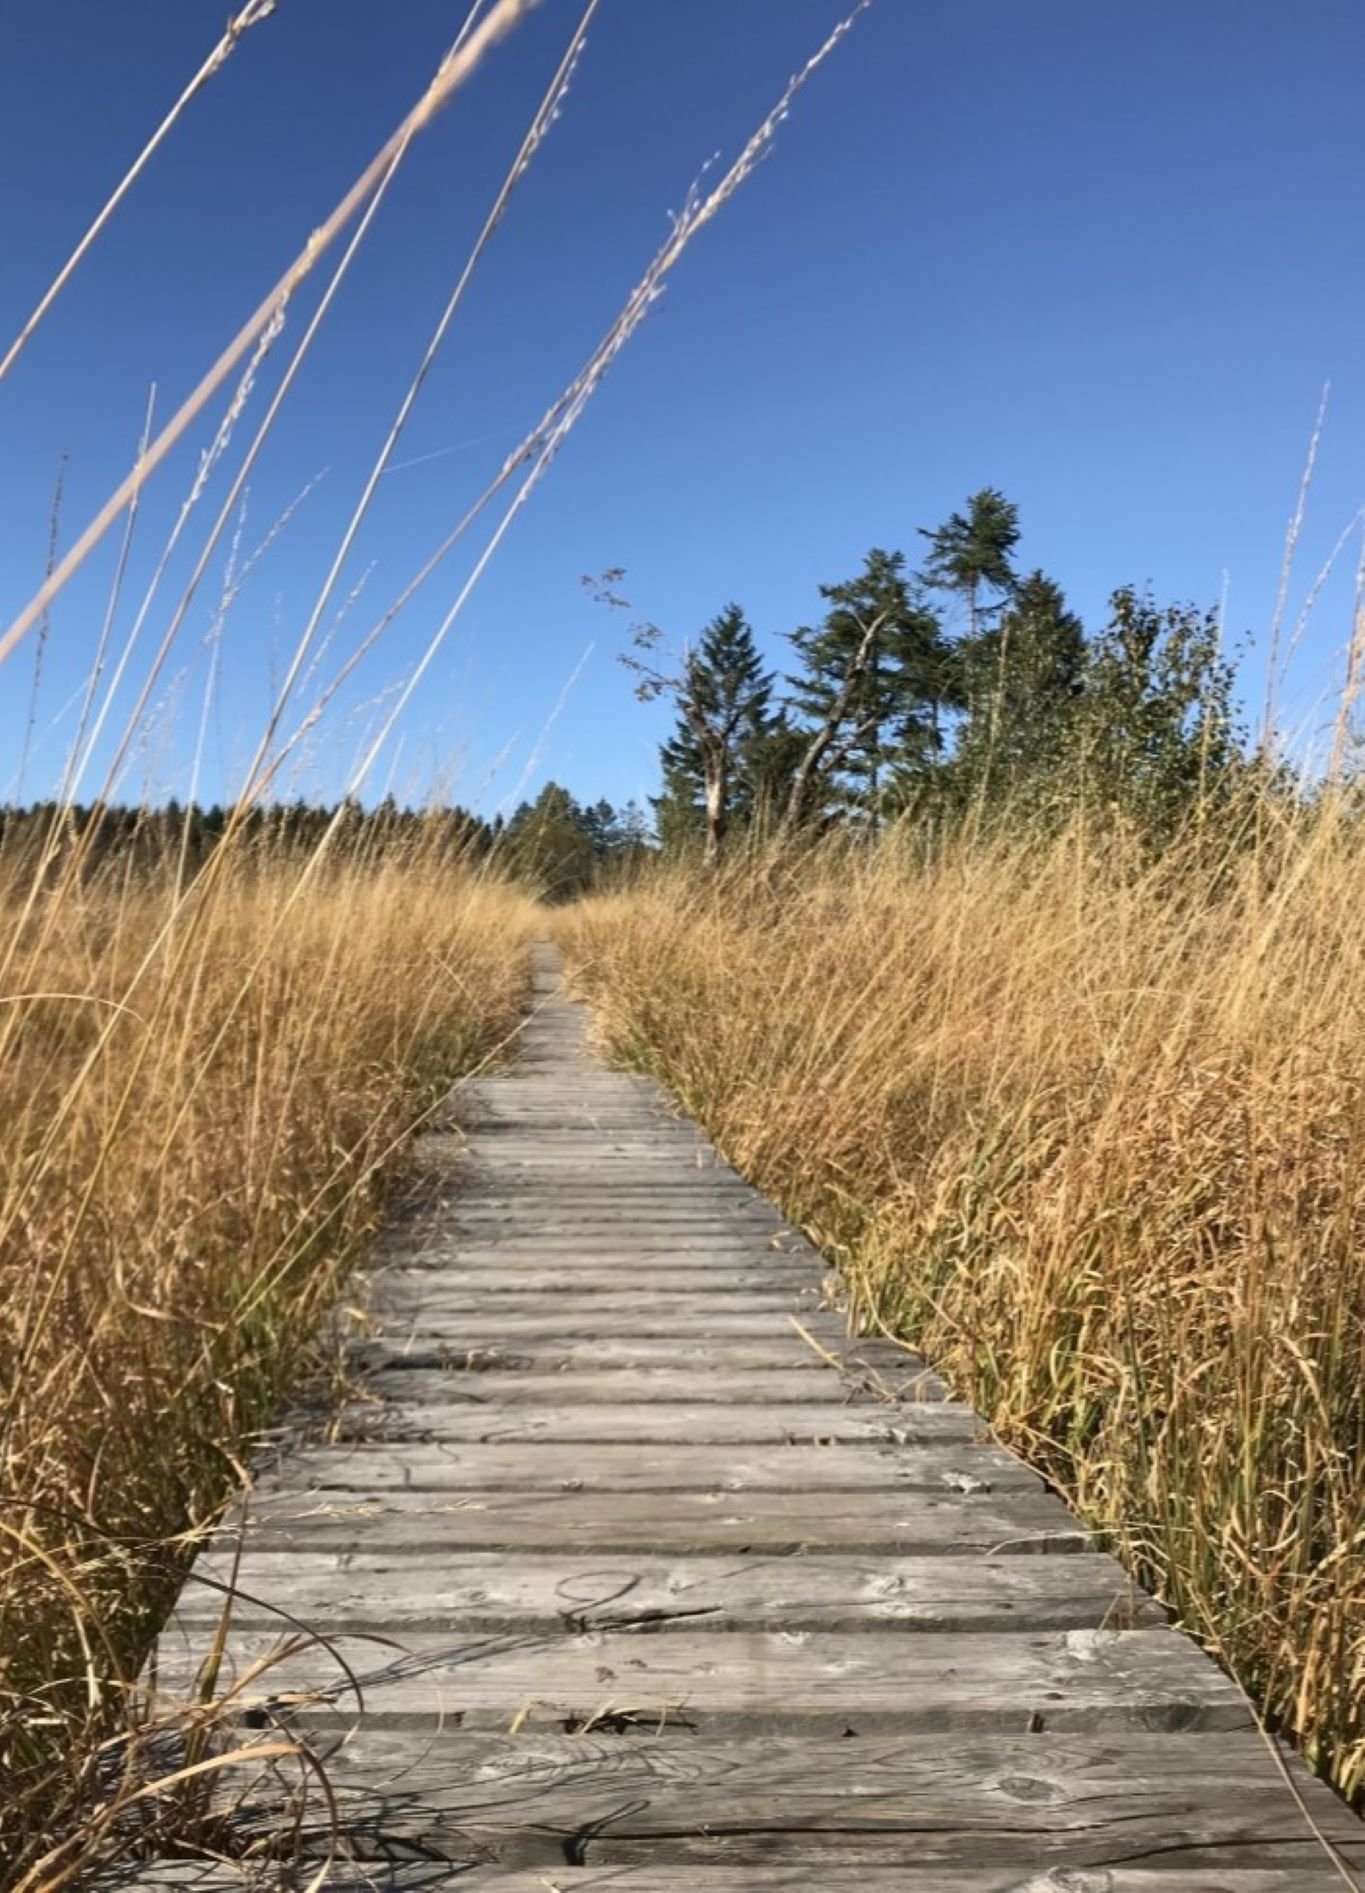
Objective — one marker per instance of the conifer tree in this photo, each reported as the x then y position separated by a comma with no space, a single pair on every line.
548,845
972,553
1021,680
873,674
680,807
724,696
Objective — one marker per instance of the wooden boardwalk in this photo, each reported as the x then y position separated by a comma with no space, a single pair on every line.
638,1591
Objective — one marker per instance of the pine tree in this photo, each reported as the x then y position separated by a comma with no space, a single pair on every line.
972,553
599,823
873,674
548,845
680,807
1021,679
724,697
769,762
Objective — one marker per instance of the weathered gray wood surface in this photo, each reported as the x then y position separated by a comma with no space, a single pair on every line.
810,1875
426,1412
673,1466
505,1590
617,1583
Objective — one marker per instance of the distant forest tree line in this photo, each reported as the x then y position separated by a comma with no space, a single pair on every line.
921,693
553,845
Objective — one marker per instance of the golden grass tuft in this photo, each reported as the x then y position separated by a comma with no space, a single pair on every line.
1093,1133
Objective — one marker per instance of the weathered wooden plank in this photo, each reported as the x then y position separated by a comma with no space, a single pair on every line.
651,1204
424,1373
652,1248
1180,1866
552,1111
414,1344
1064,1682
578,1127
620,1131
494,1591
532,1203
697,1171
684,1233
846,1466
510,1298
762,1330
469,1213
758,1522
479,1201
428,1414
477,1209
447,1298
650,1115
899,1525
614,1314
693,1877
685,1183
1171,1802
713,1261
508,1174
730,1249
486,1176
514,1144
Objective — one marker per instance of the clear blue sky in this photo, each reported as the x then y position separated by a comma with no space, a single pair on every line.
1100,253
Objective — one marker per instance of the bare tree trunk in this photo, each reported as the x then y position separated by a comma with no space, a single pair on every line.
717,811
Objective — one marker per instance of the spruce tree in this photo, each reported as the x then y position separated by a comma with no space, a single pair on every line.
725,719
680,808
548,845
599,823
972,553
1021,679
873,675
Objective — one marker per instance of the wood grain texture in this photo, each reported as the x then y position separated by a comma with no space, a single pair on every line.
769,1350
397,1373
896,1525
660,1876
502,1590
674,1466
603,1299
426,1414
768,1680
702,1282
1168,1802
645,1590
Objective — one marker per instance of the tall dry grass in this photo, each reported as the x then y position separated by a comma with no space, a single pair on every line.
202,1103
1094,1134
